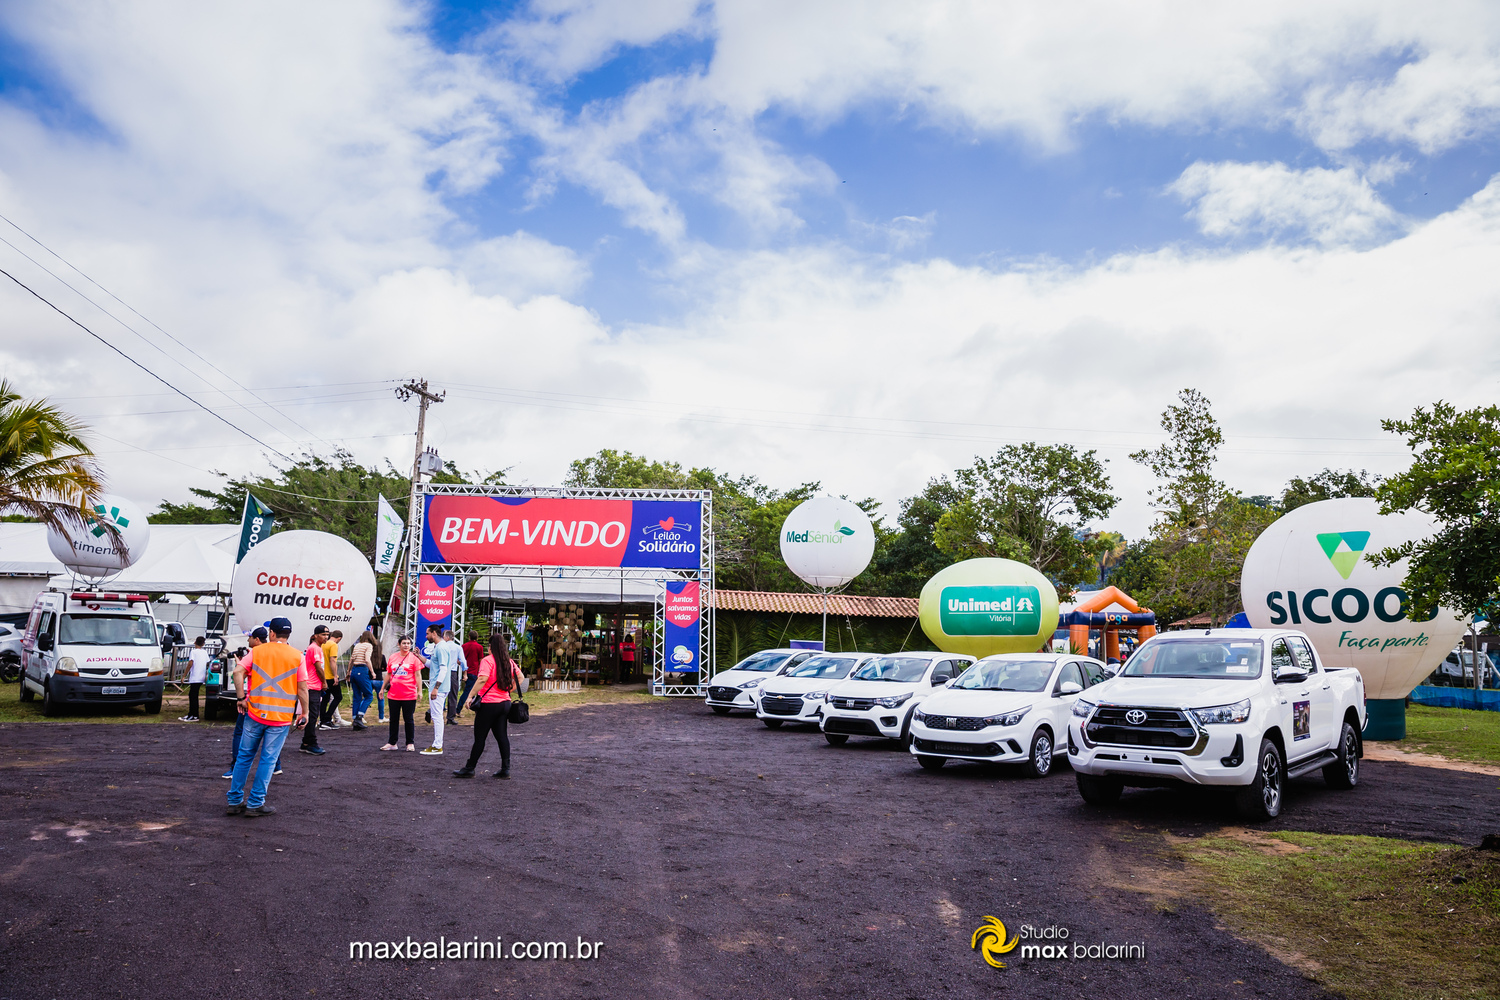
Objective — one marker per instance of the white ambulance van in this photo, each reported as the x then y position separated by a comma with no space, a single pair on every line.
91,649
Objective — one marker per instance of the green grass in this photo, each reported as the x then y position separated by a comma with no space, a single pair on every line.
1367,917
1459,733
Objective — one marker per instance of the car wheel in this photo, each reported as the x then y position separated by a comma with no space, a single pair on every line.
836,739
26,693
719,709
1261,799
50,706
153,707
1039,764
1344,772
931,763
1097,791
773,723
211,709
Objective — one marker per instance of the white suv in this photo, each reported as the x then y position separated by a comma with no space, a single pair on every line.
1010,708
798,693
736,687
879,697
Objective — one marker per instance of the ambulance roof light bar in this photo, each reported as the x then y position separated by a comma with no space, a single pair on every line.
127,598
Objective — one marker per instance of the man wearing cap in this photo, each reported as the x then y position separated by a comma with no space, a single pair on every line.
254,639
313,661
272,692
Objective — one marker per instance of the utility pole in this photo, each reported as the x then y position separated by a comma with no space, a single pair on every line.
406,391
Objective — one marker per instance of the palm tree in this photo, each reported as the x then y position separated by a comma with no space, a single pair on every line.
47,471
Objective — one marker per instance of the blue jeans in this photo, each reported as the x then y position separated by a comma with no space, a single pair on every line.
379,700
259,745
234,746
361,689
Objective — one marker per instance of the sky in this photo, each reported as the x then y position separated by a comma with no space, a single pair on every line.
853,243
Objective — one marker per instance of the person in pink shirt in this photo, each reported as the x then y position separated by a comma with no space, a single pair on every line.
403,679
312,665
499,679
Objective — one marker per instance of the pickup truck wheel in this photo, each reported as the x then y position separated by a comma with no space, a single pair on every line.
1261,799
719,709
836,739
50,706
773,723
931,763
1344,772
1039,764
1097,791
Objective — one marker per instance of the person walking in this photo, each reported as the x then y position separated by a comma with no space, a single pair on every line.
473,652
429,650
455,656
333,688
360,687
403,676
313,660
197,675
499,679
440,670
272,692
255,638
377,676
627,657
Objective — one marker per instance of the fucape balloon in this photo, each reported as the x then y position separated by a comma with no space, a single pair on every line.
310,578
987,606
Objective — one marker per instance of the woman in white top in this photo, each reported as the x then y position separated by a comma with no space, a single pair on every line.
197,674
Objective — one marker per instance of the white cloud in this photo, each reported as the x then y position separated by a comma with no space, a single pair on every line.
1333,207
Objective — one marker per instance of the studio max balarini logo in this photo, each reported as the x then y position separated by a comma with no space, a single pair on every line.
1343,549
1050,943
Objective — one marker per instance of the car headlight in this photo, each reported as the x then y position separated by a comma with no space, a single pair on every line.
750,684
814,695
1007,720
917,715
155,666
1082,708
894,701
67,665
1223,714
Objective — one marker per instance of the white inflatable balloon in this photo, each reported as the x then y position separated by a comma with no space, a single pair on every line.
1310,570
827,541
90,551
309,577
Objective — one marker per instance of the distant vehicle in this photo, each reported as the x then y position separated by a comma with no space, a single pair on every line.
797,693
1009,708
878,699
88,648
736,687
1246,709
1457,669
10,653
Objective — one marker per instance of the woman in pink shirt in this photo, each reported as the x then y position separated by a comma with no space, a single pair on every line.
403,676
499,678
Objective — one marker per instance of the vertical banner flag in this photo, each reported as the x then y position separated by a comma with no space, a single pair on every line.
255,524
434,604
388,529
683,616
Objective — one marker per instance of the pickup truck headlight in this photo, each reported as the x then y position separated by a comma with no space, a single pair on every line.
1007,720
67,665
1223,714
894,701
1082,708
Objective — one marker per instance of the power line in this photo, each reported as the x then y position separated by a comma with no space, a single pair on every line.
148,371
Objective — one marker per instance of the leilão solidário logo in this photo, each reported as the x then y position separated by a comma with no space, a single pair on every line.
989,941
1343,549
112,515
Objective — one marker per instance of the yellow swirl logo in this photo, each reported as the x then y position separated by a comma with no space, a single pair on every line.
989,941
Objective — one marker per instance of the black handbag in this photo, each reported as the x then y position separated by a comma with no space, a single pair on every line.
519,711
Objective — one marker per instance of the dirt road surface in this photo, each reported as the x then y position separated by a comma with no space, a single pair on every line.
711,856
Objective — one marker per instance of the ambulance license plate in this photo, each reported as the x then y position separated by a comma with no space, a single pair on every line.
112,689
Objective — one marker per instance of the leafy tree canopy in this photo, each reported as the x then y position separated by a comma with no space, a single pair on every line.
48,472
1330,484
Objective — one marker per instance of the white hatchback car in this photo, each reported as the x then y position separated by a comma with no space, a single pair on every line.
798,693
736,687
1009,708
880,696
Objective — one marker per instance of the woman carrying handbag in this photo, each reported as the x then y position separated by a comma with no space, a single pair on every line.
499,679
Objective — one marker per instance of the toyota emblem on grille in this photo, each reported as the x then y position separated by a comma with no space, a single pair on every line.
1135,717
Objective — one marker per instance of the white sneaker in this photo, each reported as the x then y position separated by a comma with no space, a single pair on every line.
184,718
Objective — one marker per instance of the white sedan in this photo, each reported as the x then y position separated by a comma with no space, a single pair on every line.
736,687
1010,708
797,694
879,697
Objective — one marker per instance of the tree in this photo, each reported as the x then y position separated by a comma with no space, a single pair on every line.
1330,484
1031,503
1186,489
48,473
1455,477
910,556
622,470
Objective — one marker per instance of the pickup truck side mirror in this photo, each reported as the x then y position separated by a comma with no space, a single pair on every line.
1068,687
938,680
1290,677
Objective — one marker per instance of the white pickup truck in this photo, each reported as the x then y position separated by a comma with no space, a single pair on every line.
1245,708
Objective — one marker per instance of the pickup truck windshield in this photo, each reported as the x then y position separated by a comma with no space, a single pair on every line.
1229,659
107,630
898,669
1006,675
835,667
761,662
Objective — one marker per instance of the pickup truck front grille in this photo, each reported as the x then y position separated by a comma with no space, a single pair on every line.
1161,727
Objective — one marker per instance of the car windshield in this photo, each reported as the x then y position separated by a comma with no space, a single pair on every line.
763,661
833,667
107,630
898,669
1006,675
1229,659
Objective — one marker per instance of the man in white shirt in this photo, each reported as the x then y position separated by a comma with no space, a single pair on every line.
197,675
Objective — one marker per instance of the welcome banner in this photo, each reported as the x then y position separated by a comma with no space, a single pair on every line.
562,531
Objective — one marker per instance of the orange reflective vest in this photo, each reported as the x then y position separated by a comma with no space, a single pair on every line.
273,683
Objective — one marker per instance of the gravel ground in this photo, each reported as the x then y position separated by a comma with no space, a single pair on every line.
711,856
